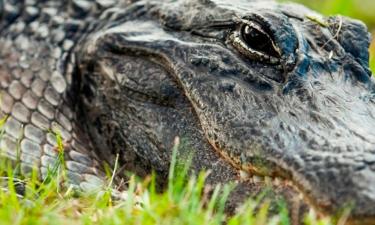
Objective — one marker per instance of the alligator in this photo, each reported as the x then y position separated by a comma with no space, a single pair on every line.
254,88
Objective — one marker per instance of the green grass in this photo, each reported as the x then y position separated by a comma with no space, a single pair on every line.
372,56
185,201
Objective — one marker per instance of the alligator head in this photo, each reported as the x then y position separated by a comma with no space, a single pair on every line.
275,89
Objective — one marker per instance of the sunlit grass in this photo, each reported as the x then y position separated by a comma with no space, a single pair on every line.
372,56
186,200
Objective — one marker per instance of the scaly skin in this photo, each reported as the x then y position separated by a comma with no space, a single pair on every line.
293,100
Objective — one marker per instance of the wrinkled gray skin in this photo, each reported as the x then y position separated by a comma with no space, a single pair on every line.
120,78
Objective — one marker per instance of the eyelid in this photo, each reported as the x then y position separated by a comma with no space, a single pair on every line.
241,45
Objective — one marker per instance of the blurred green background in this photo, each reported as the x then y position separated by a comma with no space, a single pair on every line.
359,9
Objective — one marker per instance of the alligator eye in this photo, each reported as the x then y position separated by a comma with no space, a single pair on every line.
255,43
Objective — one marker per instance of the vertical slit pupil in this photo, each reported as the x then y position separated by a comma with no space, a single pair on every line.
258,40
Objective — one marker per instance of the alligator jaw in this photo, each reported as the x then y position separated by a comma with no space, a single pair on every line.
296,205
281,178
348,211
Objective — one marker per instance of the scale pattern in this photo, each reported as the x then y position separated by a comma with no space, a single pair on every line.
36,67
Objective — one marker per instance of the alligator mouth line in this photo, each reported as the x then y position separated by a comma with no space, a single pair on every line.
253,178
281,179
